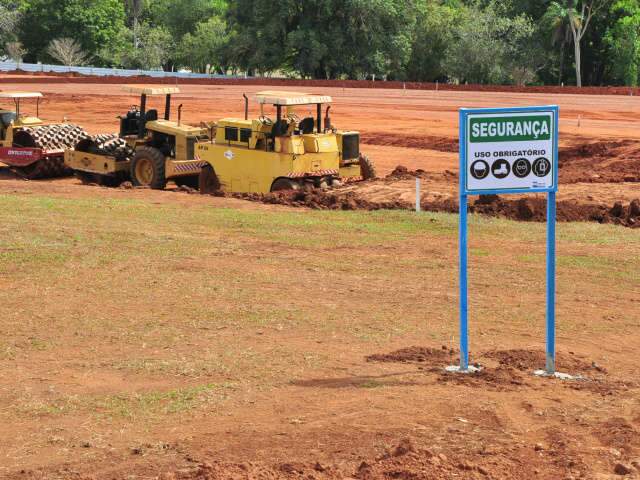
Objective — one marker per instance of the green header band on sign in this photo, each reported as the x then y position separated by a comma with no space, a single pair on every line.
510,129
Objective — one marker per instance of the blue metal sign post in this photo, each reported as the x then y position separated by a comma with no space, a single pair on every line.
509,151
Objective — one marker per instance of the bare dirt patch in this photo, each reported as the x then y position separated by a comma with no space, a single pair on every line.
601,162
598,160
159,332
424,142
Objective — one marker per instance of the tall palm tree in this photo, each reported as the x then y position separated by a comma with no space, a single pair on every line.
557,19
580,13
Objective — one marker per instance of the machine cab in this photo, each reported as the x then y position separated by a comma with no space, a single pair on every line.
9,118
134,122
288,133
174,140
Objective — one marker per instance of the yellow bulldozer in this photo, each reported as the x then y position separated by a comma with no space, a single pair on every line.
285,153
148,150
30,146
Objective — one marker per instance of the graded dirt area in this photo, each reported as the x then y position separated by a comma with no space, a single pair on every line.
161,334
599,159
165,335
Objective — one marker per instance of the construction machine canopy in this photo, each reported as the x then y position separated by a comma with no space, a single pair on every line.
291,99
147,116
147,90
17,96
286,99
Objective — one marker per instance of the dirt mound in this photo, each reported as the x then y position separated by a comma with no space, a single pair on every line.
407,460
321,200
600,162
532,209
530,360
403,173
421,142
535,209
437,356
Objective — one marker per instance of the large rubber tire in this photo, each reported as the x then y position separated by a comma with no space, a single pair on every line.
208,181
367,168
285,184
148,168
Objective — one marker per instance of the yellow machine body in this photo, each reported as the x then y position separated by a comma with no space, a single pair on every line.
181,163
6,132
175,139
247,157
14,119
94,163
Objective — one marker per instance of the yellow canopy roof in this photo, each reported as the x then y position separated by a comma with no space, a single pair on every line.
290,98
20,95
150,90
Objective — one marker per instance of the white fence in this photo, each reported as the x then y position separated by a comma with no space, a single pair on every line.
101,72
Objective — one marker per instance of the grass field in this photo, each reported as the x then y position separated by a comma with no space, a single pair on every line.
129,323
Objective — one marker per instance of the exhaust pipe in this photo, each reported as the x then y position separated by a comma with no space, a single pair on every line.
327,119
246,106
180,115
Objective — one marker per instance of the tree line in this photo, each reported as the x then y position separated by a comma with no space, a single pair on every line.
522,42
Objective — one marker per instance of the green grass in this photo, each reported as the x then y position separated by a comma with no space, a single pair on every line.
197,298
128,405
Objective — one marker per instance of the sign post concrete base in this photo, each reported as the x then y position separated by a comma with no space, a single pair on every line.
558,375
458,369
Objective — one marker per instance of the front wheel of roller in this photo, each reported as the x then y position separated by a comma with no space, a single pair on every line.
148,168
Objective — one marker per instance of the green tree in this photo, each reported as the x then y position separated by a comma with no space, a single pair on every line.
180,17
556,22
135,8
205,47
95,24
323,38
580,13
155,49
9,18
432,35
490,47
623,40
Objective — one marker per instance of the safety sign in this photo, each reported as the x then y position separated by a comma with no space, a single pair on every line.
509,151
503,151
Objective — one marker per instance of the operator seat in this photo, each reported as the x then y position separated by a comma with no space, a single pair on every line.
280,128
307,125
130,123
151,116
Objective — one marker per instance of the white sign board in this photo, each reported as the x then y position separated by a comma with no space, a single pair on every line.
509,151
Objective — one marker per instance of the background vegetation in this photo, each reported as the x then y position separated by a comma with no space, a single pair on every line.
595,42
